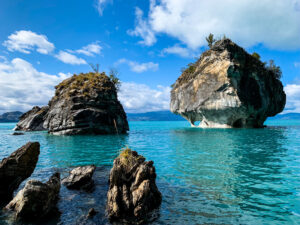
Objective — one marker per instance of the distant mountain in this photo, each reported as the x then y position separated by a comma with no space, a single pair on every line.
154,116
10,117
287,116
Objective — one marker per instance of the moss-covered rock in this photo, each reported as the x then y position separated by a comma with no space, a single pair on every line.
86,104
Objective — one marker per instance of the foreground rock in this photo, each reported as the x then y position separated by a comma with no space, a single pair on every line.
32,120
16,168
80,178
86,104
226,88
132,189
36,200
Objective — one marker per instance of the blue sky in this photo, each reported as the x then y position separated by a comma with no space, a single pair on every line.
43,42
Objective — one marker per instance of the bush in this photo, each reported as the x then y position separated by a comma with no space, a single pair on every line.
275,70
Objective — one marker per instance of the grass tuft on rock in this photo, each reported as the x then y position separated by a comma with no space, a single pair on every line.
130,158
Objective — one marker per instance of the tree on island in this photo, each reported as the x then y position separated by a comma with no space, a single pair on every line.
256,55
113,75
276,70
210,40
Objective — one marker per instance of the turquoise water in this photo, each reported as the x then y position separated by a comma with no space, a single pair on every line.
219,176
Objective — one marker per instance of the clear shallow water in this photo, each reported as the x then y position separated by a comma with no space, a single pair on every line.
219,176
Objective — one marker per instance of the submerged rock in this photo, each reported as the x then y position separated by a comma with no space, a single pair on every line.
36,200
16,168
32,120
86,104
132,189
17,133
227,88
80,178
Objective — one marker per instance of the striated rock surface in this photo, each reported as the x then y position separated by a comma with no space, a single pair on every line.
80,178
227,88
32,120
16,168
36,200
86,104
132,189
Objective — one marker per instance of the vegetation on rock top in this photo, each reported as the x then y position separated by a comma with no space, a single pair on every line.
86,83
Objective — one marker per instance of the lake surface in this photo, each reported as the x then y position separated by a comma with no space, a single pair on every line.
206,176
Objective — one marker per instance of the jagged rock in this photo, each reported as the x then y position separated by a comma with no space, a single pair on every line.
32,120
226,88
86,104
16,168
80,178
37,199
92,212
132,190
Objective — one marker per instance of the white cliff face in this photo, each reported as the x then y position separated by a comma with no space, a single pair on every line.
227,88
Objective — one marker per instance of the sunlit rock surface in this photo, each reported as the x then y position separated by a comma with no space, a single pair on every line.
227,88
80,178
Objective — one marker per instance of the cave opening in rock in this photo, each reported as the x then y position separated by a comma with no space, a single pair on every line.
238,123
197,123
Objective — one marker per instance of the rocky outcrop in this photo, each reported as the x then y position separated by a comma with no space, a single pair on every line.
36,200
132,189
227,88
86,104
16,168
80,178
32,120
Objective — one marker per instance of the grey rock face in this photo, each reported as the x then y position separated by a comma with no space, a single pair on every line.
132,189
16,168
227,88
32,120
36,200
86,104
80,178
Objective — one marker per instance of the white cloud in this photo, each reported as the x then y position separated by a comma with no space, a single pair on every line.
142,29
276,24
139,67
27,41
293,98
141,98
90,50
69,58
181,51
100,4
23,87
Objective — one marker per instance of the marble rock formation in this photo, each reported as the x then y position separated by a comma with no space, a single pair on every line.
80,178
227,88
32,120
86,104
16,168
132,190
36,200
